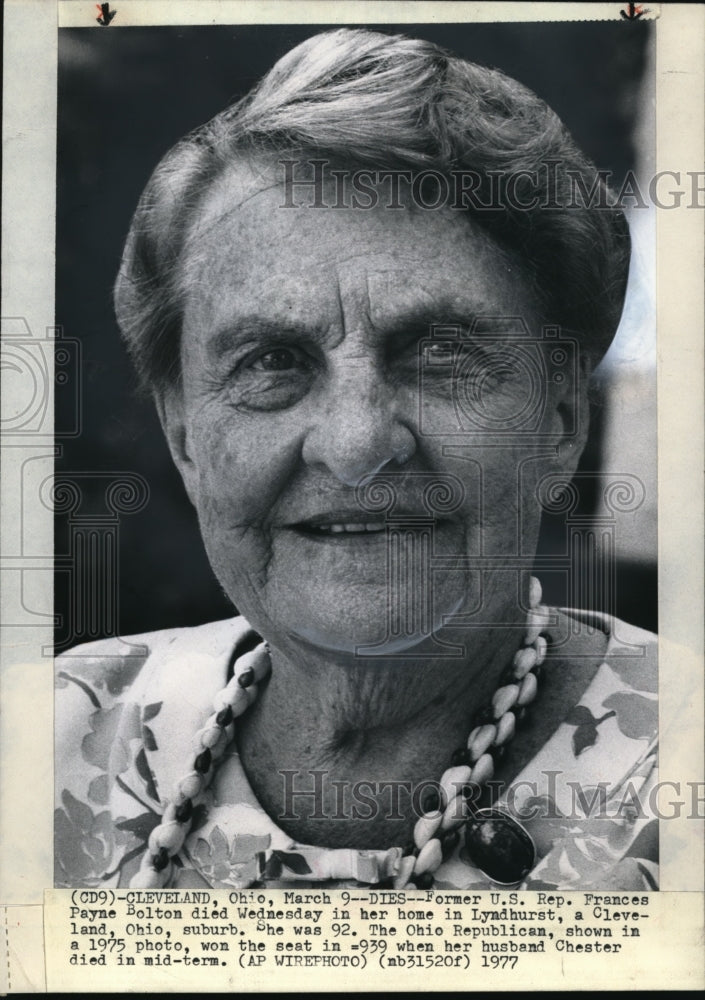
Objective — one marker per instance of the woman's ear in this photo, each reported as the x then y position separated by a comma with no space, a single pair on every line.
571,414
171,409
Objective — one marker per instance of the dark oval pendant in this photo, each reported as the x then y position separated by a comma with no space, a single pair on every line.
499,846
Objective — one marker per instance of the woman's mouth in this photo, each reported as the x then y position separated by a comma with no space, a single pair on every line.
347,529
350,525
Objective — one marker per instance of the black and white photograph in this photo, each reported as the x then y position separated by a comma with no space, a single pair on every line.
386,593
360,577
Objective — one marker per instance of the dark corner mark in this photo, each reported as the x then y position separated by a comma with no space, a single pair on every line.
633,13
106,14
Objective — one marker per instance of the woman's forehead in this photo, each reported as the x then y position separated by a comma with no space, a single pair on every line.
248,251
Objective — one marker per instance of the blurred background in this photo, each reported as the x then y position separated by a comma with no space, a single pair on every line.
125,96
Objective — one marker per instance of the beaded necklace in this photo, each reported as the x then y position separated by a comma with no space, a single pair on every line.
496,842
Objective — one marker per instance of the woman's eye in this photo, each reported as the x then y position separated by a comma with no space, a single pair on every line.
281,359
271,378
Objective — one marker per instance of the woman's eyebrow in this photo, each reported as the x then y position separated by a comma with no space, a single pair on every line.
255,327
425,319
480,319
415,322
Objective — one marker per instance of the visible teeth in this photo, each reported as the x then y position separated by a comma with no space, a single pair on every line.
339,529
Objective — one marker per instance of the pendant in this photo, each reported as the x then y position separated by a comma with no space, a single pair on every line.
499,846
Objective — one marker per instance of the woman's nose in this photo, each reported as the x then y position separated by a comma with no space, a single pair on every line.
358,429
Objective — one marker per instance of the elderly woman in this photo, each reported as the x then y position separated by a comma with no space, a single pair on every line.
367,310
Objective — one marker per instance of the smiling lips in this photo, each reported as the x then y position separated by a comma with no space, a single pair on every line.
345,528
346,523
341,523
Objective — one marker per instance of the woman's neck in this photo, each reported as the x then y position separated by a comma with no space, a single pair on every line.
339,749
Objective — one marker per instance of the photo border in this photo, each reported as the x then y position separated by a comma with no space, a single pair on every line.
26,674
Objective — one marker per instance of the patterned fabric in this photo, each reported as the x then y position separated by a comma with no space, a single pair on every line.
127,710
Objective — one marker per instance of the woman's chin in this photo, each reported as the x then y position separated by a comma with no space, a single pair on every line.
372,630
336,632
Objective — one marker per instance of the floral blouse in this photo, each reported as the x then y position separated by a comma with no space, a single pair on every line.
127,709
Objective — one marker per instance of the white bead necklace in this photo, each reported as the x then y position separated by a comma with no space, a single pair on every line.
436,832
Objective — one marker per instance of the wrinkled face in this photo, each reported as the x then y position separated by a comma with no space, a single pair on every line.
306,369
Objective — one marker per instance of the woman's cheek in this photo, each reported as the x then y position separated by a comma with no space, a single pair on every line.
232,519
238,548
